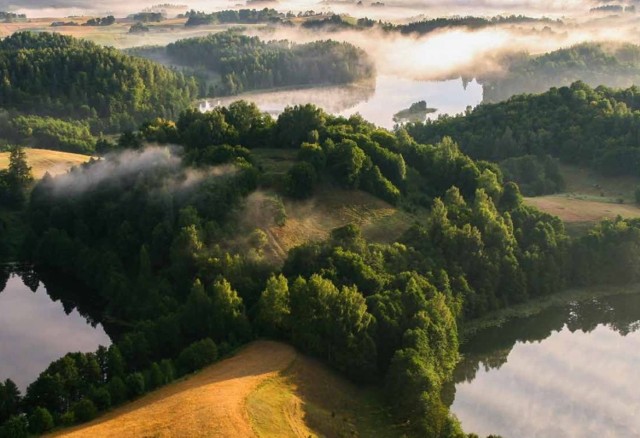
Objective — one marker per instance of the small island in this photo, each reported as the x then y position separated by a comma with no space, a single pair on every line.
417,112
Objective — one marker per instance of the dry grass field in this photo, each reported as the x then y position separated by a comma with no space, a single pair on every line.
265,390
43,160
116,35
590,197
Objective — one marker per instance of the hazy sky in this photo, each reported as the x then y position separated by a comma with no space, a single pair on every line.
396,8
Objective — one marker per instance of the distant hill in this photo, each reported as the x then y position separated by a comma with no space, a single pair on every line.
613,65
55,75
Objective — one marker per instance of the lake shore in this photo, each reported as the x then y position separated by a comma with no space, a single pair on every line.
537,305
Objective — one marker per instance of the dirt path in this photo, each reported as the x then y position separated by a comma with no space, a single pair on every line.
210,403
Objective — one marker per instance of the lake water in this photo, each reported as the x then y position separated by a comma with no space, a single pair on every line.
377,101
35,330
570,371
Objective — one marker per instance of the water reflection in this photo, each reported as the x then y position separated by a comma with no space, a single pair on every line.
567,372
35,329
376,101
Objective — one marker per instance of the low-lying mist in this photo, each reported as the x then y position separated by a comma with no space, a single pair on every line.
130,163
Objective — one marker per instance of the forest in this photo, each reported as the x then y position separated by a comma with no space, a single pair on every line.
594,127
153,235
243,63
611,64
52,75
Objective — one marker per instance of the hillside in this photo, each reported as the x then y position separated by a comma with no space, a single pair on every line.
266,389
43,161
109,90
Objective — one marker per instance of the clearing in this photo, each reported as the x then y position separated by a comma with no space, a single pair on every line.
44,160
266,389
590,198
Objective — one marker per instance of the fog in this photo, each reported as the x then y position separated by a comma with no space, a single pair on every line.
117,166
393,9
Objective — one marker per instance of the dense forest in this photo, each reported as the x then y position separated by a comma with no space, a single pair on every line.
242,63
154,234
57,76
610,64
598,128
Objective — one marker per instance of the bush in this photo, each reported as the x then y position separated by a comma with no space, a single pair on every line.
197,355
40,421
117,391
135,385
102,398
301,179
84,410
14,427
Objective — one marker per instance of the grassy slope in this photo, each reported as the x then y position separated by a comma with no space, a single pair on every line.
242,396
589,198
329,208
43,160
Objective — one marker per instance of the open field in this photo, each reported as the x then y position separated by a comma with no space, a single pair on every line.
44,160
590,197
308,400
266,389
117,35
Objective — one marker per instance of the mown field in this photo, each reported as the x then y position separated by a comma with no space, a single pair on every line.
267,389
589,198
44,160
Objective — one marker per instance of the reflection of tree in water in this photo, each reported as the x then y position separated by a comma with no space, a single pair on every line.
59,288
333,99
490,348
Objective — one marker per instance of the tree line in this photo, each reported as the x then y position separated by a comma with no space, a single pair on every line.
611,64
248,63
594,127
52,75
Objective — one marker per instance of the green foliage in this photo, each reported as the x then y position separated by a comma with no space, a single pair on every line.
241,16
613,65
15,180
534,175
9,400
55,75
577,124
14,427
51,133
197,355
301,179
84,410
40,421
135,385
247,63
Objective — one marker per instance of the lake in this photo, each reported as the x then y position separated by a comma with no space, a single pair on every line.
570,371
36,330
377,101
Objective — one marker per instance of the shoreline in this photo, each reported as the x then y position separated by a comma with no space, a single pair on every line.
533,307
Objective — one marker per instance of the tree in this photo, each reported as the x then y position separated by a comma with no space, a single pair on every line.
40,421
273,307
301,179
197,355
84,410
9,400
